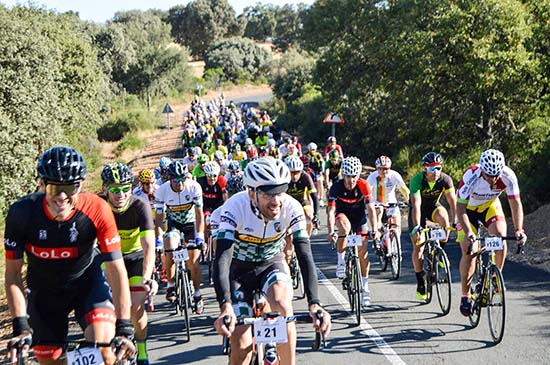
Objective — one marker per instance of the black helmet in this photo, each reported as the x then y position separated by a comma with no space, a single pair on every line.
177,169
117,173
62,164
432,158
235,184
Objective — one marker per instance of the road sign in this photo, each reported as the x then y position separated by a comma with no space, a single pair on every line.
333,118
167,109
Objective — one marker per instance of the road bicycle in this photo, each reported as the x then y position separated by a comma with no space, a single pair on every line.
352,281
388,248
436,267
487,289
184,288
296,277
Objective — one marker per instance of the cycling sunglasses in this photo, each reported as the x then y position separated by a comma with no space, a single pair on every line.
176,180
118,189
56,189
212,176
434,168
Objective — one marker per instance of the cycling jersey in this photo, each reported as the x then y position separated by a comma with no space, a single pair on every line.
59,253
190,163
133,224
215,221
255,240
301,189
212,195
350,202
474,190
384,188
315,161
430,192
149,198
337,147
198,172
333,170
179,206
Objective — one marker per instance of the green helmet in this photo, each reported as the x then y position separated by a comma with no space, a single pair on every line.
203,158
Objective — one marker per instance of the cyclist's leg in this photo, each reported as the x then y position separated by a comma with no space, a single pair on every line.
289,248
320,186
394,218
194,257
139,296
361,227
496,225
343,226
467,266
171,242
308,211
418,252
441,217
277,287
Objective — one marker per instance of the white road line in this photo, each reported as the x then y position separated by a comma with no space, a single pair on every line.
366,328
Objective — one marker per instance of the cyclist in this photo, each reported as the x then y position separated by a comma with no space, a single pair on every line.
333,146
233,169
426,188
350,203
332,169
191,159
59,228
384,182
477,200
136,229
317,164
253,225
180,199
198,171
160,171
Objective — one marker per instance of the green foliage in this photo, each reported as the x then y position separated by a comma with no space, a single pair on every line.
260,21
131,141
201,23
240,59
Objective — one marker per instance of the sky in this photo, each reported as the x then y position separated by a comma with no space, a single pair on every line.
103,10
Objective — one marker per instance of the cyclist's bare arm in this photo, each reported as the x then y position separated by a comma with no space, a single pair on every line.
463,218
330,218
14,288
373,222
450,195
199,219
149,254
118,280
517,212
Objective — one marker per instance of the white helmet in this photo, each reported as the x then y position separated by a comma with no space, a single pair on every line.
383,161
294,163
218,155
248,142
492,162
271,143
211,168
351,166
268,174
312,146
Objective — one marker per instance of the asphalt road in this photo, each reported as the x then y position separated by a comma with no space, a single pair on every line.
396,328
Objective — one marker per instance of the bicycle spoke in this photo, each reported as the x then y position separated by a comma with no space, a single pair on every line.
496,304
443,281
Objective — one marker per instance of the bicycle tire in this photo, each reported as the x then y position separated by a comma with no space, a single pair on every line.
476,292
443,281
428,273
186,305
496,303
380,254
300,290
349,281
395,258
178,287
356,276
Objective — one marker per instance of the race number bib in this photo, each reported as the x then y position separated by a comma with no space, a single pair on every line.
438,234
85,356
494,244
354,240
271,330
180,255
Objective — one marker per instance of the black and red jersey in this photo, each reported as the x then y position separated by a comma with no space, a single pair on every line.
212,195
60,252
350,201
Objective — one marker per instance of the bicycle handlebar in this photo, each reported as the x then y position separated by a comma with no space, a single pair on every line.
482,239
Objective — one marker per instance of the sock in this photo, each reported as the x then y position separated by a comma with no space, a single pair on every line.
197,293
365,284
171,285
420,277
142,349
340,257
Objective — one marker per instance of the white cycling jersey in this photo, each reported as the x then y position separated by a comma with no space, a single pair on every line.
383,190
474,190
215,221
254,239
138,191
179,206
190,163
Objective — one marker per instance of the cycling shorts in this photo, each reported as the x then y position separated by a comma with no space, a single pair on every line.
486,216
358,221
187,229
49,309
134,267
247,277
427,212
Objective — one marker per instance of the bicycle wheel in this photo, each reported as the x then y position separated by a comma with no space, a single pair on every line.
476,292
178,287
379,251
496,304
428,274
356,284
443,280
186,305
297,280
395,258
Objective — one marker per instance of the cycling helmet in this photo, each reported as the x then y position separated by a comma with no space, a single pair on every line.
117,173
235,184
198,151
62,164
334,155
248,142
203,158
237,147
191,151
177,169
271,143
262,151
146,175
294,163
234,166
432,158
211,168
164,162
492,162
331,139
287,140
268,175
251,152
312,146
219,156
351,166
383,161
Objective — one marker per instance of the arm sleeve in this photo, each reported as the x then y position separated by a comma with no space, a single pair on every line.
222,262
302,247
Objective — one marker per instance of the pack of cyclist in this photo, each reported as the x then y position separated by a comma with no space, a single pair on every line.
244,192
